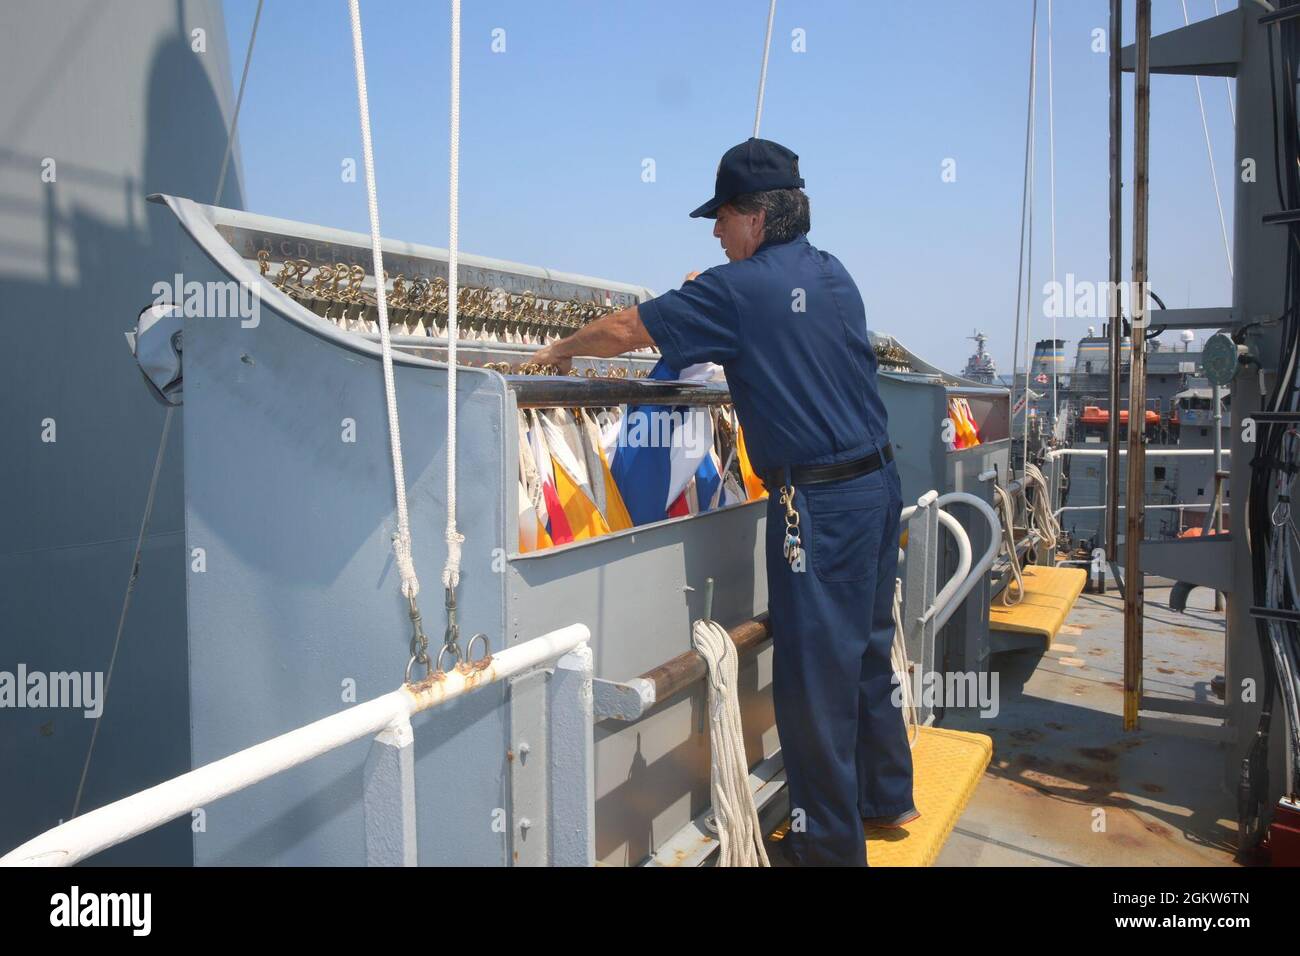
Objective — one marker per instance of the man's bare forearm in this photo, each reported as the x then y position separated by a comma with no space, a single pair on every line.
606,337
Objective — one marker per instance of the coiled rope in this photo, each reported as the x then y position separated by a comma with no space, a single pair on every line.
1007,512
1042,523
902,667
1041,518
740,835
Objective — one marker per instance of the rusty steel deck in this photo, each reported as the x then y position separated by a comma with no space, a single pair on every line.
1067,786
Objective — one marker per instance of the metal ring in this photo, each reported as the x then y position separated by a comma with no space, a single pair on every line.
469,648
454,648
411,664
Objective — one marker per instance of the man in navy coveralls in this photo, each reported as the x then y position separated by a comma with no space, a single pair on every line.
787,323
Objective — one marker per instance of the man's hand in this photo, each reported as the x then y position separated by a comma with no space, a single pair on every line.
605,337
689,277
550,355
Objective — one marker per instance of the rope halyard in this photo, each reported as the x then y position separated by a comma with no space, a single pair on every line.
239,102
1051,170
451,570
162,444
410,583
1209,149
1028,204
762,73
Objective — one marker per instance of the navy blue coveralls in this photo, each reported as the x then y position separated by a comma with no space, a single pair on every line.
804,387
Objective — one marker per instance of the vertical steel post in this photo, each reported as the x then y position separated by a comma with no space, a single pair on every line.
389,798
1258,292
1217,397
920,584
1216,393
571,761
1136,498
1115,329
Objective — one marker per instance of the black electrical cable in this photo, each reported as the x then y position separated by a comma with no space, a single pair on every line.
1268,466
1159,330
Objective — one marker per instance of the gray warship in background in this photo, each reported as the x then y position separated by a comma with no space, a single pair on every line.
980,367
1180,413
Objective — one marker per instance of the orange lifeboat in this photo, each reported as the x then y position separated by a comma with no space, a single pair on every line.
1094,415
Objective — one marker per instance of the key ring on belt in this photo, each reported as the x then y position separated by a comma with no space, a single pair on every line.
793,548
787,499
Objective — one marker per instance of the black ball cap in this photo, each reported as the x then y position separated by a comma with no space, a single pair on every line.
753,166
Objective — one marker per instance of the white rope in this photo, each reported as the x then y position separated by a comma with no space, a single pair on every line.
1009,539
451,571
1051,170
1042,522
1041,518
239,101
762,73
740,836
1209,150
1028,213
158,456
902,667
402,539
126,602
1024,201
1227,81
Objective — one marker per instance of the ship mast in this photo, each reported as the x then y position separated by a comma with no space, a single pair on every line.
1115,330
1135,512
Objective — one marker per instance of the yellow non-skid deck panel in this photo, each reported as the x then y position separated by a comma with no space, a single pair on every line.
1050,594
946,768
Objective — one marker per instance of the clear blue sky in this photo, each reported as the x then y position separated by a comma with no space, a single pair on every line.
555,129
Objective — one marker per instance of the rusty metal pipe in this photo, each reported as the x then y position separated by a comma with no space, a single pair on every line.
1135,515
675,675
1115,331
542,391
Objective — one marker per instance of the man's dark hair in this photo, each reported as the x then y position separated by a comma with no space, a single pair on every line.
788,214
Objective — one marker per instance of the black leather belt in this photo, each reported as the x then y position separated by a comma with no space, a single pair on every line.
840,471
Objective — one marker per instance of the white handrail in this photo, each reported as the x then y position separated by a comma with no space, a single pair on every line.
964,579
963,560
123,819
1150,452
946,610
963,552
1179,506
